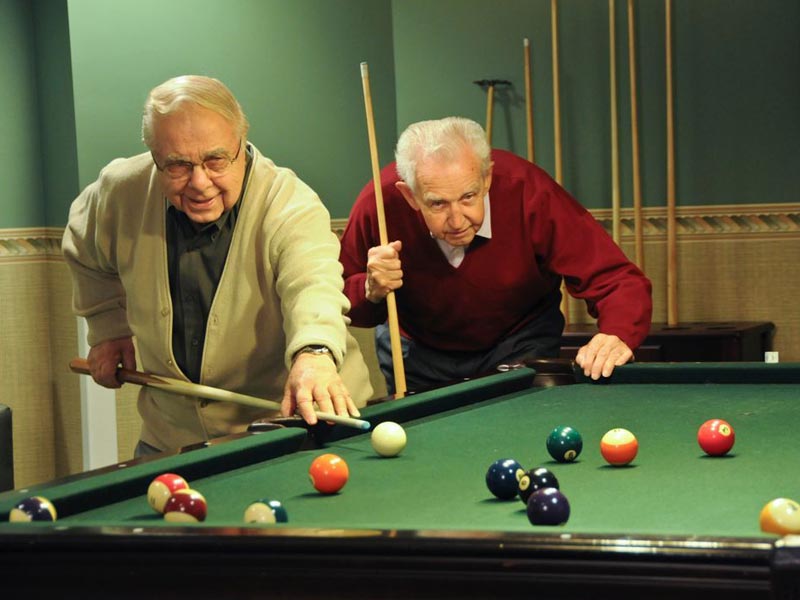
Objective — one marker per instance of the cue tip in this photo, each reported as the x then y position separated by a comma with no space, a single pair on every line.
526,42
347,421
364,69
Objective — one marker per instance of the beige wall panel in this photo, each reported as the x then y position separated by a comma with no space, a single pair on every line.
66,384
25,369
728,279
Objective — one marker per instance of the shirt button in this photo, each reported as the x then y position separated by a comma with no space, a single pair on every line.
164,312
195,342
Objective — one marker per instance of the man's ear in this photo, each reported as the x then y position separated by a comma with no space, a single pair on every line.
405,189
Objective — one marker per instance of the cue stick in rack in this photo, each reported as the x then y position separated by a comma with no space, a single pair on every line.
489,112
526,45
612,62
557,130
637,180
391,302
187,388
672,262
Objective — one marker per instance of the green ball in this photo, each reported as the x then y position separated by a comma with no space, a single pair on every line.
564,443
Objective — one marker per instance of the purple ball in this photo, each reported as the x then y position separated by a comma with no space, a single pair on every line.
548,506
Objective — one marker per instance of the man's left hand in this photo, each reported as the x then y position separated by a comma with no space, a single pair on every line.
315,380
603,353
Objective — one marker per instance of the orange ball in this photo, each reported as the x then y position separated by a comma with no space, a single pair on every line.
619,447
328,473
781,516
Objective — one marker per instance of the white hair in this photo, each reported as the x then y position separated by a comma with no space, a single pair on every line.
443,138
204,91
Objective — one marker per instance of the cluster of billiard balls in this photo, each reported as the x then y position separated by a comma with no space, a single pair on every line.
537,488
170,495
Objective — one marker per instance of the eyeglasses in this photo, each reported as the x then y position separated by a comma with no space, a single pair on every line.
214,166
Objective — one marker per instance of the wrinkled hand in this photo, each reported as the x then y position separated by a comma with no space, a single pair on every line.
314,380
106,357
602,354
384,273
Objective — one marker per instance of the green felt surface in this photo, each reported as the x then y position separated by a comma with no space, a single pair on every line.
672,488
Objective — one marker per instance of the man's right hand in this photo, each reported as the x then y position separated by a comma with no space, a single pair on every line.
384,272
106,357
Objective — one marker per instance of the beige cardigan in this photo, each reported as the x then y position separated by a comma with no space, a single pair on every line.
281,289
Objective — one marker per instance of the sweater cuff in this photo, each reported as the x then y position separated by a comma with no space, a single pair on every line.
108,325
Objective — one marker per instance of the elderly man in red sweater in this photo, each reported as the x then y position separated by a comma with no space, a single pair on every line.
480,242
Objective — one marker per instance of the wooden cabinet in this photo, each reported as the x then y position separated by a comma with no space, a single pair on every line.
689,342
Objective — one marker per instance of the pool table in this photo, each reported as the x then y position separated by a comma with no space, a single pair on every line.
675,522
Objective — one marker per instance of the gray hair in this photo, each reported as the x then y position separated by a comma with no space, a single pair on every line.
443,138
207,92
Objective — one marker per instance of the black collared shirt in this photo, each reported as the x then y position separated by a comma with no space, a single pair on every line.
196,256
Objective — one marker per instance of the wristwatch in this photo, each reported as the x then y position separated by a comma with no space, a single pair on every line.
314,349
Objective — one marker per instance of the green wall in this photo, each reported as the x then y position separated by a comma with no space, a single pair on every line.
294,66
75,74
736,77
21,204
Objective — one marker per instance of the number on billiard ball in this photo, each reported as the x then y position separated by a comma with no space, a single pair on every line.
328,473
619,447
185,506
564,443
781,516
35,508
548,506
502,478
388,439
266,511
162,487
716,437
535,480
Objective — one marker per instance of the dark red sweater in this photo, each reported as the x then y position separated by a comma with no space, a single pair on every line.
539,233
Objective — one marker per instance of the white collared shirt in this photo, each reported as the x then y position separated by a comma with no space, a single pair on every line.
455,254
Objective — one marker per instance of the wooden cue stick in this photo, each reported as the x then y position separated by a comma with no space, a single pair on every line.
489,106
637,180
556,90
672,262
528,98
612,60
187,388
391,302
557,131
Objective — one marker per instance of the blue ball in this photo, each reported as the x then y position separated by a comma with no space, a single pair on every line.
502,478
35,508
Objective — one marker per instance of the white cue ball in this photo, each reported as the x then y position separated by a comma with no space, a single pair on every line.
388,439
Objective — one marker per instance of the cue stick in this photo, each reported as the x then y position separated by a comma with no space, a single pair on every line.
557,131
391,302
489,105
556,90
528,98
672,262
187,388
637,180
612,61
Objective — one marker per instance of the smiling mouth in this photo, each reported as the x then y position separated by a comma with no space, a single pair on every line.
202,202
